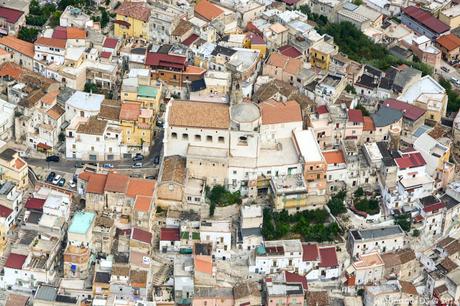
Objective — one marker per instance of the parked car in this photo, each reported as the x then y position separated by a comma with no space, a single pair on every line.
61,182
445,69
52,158
72,184
78,164
156,160
455,81
138,157
108,166
137,165
50,177
56,179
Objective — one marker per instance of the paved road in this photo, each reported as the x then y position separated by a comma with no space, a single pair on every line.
68,166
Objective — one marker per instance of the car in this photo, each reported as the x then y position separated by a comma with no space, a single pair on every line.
78,164
150,177
61,182
50,177
445,69
455,81
137,165
72,184
56,179
109,166
156,160
52,158
138,157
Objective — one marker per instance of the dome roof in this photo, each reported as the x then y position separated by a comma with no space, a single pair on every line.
244,112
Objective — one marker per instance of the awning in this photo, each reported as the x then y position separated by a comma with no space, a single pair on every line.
122,23
43,146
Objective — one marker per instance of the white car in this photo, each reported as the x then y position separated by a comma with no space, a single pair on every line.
56,179
137,165
72,184
455,81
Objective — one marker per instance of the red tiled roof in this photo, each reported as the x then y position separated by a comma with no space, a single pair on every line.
368,124
328,257
165,60
10,15
116,183
60,33
433,207
207,10
296,278
5,211
110,43
169,234
290,51
35,203
449,41
255,39
106,54
426,19
96,183
290,2
355,115
274,112
310,252
135,10
51,42
141,235
411,160
334,157
190,40
15,261
410,111
322,110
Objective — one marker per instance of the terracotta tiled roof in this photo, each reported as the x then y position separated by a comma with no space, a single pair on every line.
140,187
75,33
110,110
410,111
296,279
56,112
116,183
411,160
35,203
199,114
5,211
19,163
207,10
141,235
130,111
274,112
290,51
50,97
135,10
85,175
96,183
174,169
368,124
334,157
11,70
182,27
51,42
288,64
408,288
426,19
18,45
143,203
93,126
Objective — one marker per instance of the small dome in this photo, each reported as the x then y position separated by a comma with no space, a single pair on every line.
245,112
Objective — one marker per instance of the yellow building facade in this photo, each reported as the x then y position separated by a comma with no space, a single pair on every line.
132,20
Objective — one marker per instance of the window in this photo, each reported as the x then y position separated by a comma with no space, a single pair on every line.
221,139
197,137
209,138
174,135
184,136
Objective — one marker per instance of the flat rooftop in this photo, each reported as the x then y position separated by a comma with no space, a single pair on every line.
377,233
81,222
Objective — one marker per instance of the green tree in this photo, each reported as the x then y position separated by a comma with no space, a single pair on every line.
91,87
54,20
404,221
105,18
336,204
359,192
28,34
350,89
